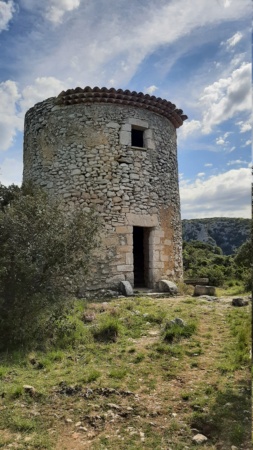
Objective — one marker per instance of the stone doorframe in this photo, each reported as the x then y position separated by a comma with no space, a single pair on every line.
151,222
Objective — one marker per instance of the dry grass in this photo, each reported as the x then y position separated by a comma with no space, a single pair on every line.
137,391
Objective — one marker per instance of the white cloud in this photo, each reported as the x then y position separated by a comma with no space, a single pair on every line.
225,195
52,10
189,127
151,89
6,13
231,42
42,88
248,142
56,9
230,150
235,162
10,121
220,141
227,97
11,171
14,104
244,126
208,165
201,174
98,42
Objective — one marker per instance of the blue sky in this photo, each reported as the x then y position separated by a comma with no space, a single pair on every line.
194,53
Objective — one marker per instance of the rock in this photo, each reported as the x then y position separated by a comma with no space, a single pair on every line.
68,420
233,447
126,288
176,321
179,322
83,429
142,436
167,286
203,290
29,390
239,301
199,438
209,298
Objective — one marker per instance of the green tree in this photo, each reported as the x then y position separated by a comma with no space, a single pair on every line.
243,259
42,251
243,256
205,260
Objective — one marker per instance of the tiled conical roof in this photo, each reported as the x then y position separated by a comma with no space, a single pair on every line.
120,97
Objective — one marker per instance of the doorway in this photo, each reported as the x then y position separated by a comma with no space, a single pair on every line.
141,256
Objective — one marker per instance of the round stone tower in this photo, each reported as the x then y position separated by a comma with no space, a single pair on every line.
115,151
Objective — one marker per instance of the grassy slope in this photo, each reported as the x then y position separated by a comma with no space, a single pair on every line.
138,392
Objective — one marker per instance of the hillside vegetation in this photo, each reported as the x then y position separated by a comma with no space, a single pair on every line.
224,232
205,260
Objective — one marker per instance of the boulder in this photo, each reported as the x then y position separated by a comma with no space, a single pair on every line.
126,288
167,286
239,301
204,290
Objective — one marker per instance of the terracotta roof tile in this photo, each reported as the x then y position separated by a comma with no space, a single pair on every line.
140,100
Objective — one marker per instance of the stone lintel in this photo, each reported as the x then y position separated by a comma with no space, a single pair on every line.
138,122
142,220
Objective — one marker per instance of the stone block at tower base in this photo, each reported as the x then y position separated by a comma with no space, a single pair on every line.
204,290
167,286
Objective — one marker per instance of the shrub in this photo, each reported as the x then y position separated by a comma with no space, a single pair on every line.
39,248
107,330
177,332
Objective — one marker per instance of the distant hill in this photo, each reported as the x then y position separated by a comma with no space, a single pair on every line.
225,232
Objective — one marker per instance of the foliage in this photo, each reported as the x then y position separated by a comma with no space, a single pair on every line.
177,332
204,260
243,255
39,247
107,330
243,258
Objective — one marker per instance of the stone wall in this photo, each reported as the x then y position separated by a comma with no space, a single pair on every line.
82,154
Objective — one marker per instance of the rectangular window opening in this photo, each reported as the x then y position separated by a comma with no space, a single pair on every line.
137,137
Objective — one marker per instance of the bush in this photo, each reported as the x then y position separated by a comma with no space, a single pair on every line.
177,332
40,248
204,260
107,330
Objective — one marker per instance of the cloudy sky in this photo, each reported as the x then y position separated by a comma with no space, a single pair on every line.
195,53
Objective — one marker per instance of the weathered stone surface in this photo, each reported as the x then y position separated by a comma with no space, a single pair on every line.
126,288
82,154
195,281
199,439
167,286
240,301
204,290
29,390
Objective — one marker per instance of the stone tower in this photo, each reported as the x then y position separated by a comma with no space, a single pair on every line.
115,151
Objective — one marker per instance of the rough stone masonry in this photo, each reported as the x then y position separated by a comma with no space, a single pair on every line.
114,151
